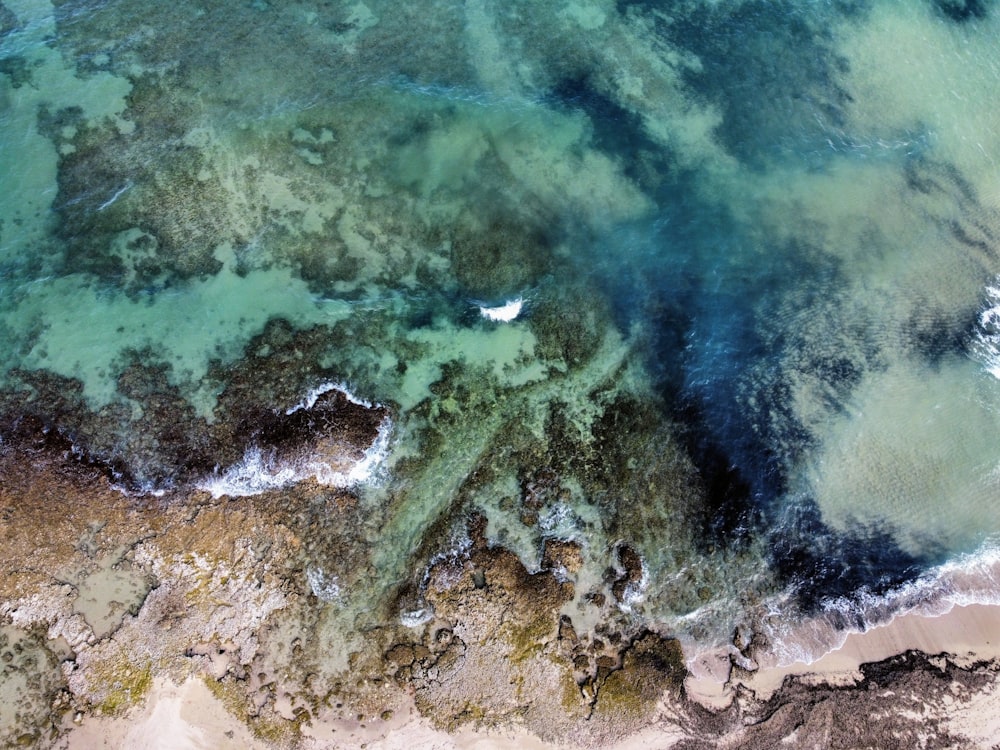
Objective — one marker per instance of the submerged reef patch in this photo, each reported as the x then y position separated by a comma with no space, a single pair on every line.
772,69
331,438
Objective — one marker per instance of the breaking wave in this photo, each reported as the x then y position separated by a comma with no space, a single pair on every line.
962,581
261,470
986,343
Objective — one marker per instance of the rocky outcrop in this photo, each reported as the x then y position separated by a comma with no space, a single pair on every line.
500,650
330,433
102,594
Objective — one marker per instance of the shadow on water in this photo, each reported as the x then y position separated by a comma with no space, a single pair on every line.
616,131
683,278
962,11
705,302
685,281
705,294
827,565
770,68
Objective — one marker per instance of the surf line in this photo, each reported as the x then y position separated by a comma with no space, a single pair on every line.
116,196
504,313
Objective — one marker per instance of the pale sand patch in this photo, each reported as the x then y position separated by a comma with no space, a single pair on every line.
173,717
418,734
978,718
189,717
707,682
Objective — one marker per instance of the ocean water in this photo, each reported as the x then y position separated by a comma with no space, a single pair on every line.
710,281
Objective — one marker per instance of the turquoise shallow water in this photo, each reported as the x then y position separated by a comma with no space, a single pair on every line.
755,245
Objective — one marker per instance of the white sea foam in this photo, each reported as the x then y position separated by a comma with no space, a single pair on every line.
256,472
146,487
262,471
139,487
966,580
118,194
635,592
454,553
325,587
986,344
504,313
365,470
417,617
309,400
560,522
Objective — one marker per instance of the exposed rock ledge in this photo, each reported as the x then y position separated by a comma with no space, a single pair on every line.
120,615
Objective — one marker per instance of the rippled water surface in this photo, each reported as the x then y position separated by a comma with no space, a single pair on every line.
710,282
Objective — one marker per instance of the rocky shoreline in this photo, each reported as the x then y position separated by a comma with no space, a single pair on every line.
685,323
119,611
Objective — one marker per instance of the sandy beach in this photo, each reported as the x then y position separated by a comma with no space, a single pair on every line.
189,717
967,634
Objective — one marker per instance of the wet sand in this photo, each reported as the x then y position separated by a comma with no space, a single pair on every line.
969,634
965,636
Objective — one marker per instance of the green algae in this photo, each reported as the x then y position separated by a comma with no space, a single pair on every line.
231,695
54,85
271,728
528,640
202,319
122,686
651,667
